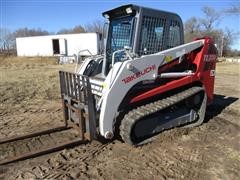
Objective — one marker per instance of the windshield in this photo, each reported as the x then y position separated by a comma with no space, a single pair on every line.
119,35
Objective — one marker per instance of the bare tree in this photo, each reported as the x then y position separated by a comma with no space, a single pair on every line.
8,39
25,32
64,31
191,29
78,29
212,18
233,10
75,30
207,26
192,25
95,26
4,43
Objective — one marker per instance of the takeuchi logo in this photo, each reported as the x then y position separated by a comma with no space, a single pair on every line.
139,74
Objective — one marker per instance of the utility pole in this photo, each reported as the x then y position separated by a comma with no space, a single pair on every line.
221,50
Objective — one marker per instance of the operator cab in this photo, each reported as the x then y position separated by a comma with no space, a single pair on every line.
142,30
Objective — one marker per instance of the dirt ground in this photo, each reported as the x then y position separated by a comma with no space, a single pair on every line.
30,100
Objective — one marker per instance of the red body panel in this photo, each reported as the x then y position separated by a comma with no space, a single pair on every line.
205,61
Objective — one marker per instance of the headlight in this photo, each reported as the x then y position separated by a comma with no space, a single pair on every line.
106,16
129,10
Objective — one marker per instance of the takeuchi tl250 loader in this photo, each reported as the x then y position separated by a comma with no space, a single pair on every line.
146,81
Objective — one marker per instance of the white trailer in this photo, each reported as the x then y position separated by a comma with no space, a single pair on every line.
59,45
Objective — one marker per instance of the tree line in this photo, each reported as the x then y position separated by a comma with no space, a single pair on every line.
208,26
193,27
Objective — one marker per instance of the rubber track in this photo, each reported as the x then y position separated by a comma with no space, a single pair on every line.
136,114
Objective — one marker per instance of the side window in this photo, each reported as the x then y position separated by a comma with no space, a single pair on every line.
174,34
120,35
144,37
151,37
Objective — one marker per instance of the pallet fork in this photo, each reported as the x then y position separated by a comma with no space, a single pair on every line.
78,110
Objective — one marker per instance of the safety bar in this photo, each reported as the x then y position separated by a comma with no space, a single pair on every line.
77,62
126,50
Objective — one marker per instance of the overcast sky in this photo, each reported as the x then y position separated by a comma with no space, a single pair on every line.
53,15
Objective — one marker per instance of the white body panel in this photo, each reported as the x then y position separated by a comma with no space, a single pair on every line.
69,44
117,86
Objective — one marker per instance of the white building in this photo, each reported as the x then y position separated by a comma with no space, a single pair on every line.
59,45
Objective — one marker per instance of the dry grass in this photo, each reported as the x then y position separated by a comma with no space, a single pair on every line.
228,81
25,80
228,68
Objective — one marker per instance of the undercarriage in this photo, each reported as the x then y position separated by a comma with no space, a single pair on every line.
140,125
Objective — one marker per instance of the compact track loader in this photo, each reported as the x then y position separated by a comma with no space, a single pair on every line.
146,81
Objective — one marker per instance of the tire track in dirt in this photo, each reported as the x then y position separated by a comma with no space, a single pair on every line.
70,163
29,120
174,162
19,147
178,153
160,160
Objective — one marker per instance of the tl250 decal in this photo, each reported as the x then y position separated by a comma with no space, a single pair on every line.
209,60
210,57
139,74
